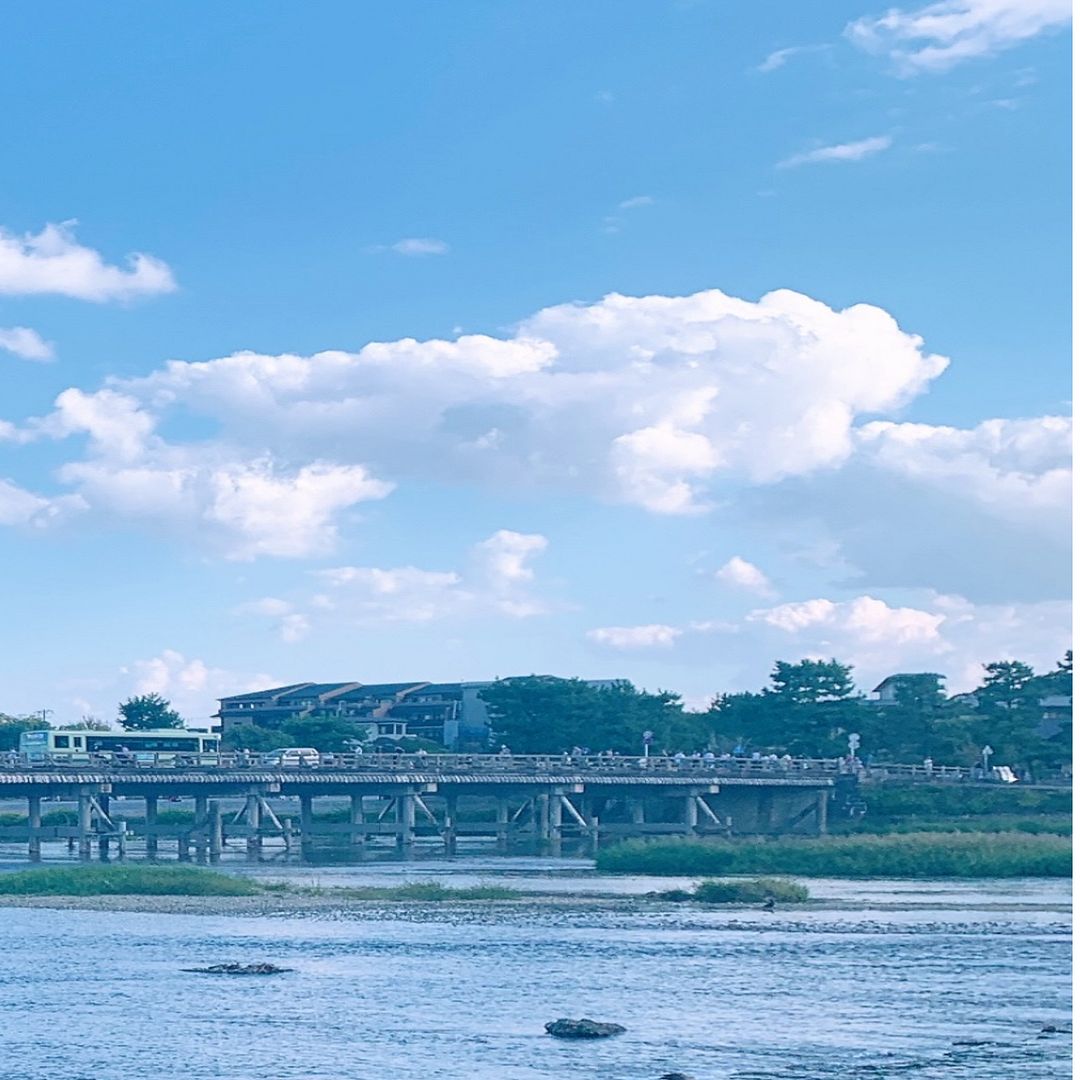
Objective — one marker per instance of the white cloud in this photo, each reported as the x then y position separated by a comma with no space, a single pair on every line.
653,401
867,619
24,508
636,201
496,580
651,636
419,246
779,57
841,152
26,343
1016,469
741,574
190,684
53,262
941,35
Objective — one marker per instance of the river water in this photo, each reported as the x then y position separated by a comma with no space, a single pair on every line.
957,982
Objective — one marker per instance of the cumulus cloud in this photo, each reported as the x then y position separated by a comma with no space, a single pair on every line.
878,636
25,508
494,580
741,574
840,152
26,343
651,636
1018,469
654,401
941,35
192,685
54,262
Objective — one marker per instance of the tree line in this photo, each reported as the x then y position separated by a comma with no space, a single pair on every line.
808,708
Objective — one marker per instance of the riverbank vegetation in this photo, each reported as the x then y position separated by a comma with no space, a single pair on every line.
914,855
128,880
752,891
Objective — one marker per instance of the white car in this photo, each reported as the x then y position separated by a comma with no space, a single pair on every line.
295,757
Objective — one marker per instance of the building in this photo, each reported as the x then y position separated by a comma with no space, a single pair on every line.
453,714
890,690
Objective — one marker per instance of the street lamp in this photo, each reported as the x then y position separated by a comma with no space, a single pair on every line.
987,751
646,741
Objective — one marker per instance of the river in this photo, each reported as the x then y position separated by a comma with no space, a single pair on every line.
956,981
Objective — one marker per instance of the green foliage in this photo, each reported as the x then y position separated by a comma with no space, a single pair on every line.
754,891
327,733
148,712
540,714
124,881
809,709
11,727
423,891
1034,824
917,855
888,801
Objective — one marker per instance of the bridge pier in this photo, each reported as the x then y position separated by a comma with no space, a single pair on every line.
690,813
449,830
307,818
253,821
151,817
502,824
34,821
357,836
406,822
216,838
200,828
85,825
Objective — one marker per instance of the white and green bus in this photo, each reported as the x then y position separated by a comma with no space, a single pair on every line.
133,747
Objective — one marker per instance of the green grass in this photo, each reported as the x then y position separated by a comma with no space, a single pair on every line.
1032,824
889,801
417,891
915,855
754,891
124,881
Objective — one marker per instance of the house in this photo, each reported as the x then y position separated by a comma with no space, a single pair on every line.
890,690
453,714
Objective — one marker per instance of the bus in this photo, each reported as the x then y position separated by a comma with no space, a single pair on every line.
80,747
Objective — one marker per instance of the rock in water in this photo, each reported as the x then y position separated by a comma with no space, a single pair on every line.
676,1076
240,969
582,1029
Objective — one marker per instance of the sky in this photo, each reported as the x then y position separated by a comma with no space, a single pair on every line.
659,340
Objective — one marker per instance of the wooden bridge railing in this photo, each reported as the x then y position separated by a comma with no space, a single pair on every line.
495,764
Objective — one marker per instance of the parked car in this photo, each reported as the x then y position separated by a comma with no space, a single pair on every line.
294,757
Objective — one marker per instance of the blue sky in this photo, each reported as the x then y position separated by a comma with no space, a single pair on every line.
821,411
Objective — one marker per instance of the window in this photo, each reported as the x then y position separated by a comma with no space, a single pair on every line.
62,742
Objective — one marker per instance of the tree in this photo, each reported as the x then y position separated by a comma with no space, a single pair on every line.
816,706
325,732
87,723
148,712
11,727
540,714
1007,684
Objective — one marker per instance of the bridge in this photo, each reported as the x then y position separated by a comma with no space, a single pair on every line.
545,801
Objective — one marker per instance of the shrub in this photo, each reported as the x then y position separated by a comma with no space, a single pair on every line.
919,855
754,891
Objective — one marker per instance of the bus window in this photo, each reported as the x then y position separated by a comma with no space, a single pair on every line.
62,742
77,740
209,746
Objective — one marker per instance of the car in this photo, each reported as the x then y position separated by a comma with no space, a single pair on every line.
295,757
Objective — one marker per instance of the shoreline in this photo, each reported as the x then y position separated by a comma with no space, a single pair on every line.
280,905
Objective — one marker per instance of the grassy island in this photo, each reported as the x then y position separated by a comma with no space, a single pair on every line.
914,855
128,880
